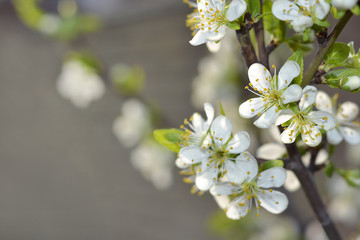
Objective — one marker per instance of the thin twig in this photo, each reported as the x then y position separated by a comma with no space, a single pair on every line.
324,48
259,33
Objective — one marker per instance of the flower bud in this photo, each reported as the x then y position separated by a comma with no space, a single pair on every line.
351,84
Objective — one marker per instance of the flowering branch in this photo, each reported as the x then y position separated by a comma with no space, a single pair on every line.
324,48
308,185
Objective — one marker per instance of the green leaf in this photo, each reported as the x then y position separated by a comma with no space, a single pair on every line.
352,176
270,164
298,58
254,7
233,25
337,54
339,78
170,138
329,170
322,23
356,10
273,25
221,109
337,13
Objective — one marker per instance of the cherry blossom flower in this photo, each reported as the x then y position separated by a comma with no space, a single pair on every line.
273,93
218,156
79,83
305,121
345,114
300,13
210,18
196,129
257,187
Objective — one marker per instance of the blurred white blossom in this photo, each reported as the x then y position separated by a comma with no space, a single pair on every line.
155,164
133,124
79,83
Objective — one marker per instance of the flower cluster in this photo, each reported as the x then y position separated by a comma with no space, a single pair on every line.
301,14
210,18
217,160
275,93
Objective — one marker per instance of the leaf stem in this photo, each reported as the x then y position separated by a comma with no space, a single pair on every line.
324,48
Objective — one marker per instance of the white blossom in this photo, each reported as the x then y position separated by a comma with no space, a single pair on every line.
79,83
273,151
216,157
345,114
154,162
344,4
209,19
196,129
300,13
257,187
133,124
273,93
305,121
351,83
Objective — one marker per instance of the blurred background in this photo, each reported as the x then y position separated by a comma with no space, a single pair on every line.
64,174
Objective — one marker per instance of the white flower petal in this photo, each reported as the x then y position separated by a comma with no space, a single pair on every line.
323,102
350,135
289,134
248,165
347,112
213,46
311,136
334,137
287,73
206,178
221,130
285,116
271,151
233,173
322,157
344,4
239,143
259,77
238,208
251,107
292,94
236,9
222,201
290,12
197,122
268,118
322,9
324,120
192,155
181,164
274,201
273,177
219,4
292,183
308,97
301,23
223,189
210,112
200,38
216,36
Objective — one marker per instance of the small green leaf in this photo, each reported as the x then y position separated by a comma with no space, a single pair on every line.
170,138
322,23
356,10
337,13
233,25
254,7
337,53
352,176
329,170
270,164
298,58
221,109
